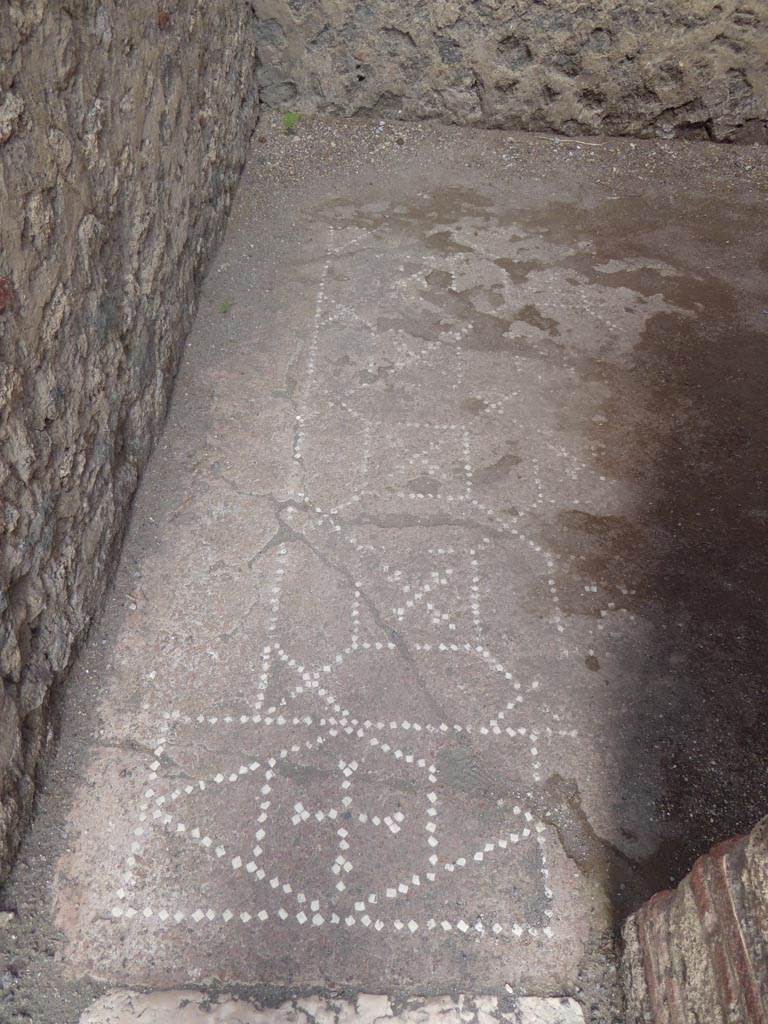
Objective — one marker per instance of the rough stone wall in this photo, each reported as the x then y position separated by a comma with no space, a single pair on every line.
660,67
700,953
123,129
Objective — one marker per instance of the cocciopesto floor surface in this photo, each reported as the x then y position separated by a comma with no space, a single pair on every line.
420,667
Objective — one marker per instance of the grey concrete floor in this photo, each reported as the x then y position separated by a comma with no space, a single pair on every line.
438,639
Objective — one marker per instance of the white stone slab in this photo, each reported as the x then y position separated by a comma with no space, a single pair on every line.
534,1010
178,1007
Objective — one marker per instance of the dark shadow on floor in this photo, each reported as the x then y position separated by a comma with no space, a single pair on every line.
703,713
687,434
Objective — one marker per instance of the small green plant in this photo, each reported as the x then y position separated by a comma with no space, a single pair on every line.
225,307
290,121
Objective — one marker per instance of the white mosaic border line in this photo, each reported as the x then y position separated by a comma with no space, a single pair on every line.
200,916
352,725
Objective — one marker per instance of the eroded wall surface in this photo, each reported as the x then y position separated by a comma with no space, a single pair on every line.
661,67
123,130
